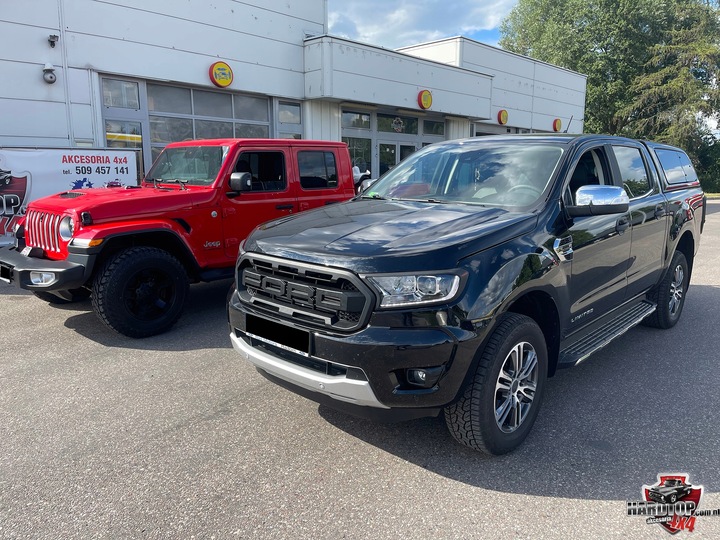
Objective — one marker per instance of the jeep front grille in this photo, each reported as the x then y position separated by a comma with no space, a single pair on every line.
41,230
309,295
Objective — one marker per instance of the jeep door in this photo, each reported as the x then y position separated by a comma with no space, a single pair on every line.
272,195
596,248
319,181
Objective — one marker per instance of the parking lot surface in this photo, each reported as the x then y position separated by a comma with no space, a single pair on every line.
103,436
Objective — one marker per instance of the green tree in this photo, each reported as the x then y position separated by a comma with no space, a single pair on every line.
652,65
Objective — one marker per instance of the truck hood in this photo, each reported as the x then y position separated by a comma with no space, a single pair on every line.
106,204
387,236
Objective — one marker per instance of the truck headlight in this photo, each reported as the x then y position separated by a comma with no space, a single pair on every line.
415,289
66,228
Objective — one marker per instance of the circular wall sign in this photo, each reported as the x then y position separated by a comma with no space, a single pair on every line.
502,117
425,99
557,124
221,74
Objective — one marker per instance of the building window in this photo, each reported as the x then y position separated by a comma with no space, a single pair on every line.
211,129
169,99
212,104
122,94
397,124
289,113
431,127
252,131
164,129
251,108
360,153
355,120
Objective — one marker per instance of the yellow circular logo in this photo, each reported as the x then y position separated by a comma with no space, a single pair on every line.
502,117
557,124
425,99
221,74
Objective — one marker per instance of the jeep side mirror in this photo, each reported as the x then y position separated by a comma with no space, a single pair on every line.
240,181
599,200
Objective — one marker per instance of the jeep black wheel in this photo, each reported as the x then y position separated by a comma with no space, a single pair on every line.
63,297
140,292
499,406
670,294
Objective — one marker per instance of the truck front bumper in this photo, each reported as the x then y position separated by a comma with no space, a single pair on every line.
36,274
363,373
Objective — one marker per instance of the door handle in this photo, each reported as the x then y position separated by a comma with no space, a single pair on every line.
284,207
622,225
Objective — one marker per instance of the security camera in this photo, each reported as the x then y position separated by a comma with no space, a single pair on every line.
49,74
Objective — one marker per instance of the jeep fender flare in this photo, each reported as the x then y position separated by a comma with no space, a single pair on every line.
157,234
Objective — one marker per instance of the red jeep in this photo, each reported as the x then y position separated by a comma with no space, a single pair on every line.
135,249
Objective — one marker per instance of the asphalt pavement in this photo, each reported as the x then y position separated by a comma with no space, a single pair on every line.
175,436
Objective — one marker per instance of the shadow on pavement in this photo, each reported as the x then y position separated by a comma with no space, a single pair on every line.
203,324
644,405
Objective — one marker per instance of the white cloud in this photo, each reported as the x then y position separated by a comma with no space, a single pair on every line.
400,23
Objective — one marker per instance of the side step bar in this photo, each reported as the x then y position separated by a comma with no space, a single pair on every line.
605,331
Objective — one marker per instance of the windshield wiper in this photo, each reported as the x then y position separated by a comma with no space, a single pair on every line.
175,181
372,196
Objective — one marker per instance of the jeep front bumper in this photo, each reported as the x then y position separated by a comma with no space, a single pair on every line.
25,271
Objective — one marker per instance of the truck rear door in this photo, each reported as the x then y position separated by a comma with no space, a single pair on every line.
320,174
649,218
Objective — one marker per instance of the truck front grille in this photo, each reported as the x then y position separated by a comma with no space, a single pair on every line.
309,295
41,230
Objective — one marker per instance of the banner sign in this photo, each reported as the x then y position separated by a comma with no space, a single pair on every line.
26,175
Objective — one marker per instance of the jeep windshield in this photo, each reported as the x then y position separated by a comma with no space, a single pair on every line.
504,174
192,165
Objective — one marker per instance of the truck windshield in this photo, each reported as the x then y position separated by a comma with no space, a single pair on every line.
503,174
194,165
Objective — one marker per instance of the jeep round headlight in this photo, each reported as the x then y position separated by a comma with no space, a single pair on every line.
66,228
413,290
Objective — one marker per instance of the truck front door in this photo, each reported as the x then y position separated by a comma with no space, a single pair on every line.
596,247
272,195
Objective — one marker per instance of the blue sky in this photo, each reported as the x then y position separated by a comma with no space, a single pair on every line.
397,23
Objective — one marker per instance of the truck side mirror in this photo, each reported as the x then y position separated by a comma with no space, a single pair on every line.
240,181
599,200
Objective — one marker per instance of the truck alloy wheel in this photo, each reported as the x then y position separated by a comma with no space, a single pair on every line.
499,406
140,292
670,294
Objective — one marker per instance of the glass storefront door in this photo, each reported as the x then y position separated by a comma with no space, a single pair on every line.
392,153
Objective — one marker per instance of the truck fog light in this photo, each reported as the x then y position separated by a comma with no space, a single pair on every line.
42,278
424,377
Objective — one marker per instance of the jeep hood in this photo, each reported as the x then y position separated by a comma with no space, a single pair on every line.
386,236
107,204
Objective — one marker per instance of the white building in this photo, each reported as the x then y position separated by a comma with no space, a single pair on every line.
142,73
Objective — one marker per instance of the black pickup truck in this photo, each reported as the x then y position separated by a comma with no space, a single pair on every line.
467,275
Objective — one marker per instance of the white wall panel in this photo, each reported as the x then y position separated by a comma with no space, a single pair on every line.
38,13
27,119
374,75
520,84
322,120
82,121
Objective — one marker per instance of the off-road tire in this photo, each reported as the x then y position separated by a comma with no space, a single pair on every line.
669,294
140,292
471,420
